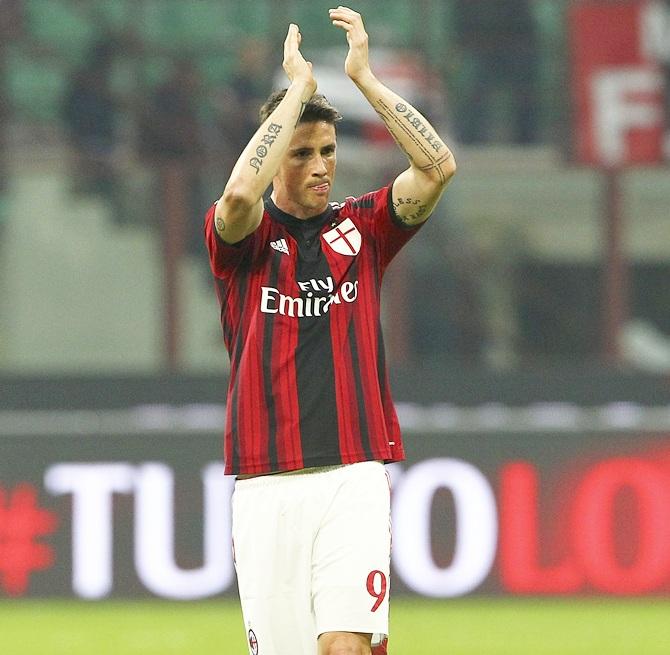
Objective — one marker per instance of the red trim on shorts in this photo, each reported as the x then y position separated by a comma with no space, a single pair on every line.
381,649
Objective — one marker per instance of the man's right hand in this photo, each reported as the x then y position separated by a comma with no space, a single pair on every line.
240,209
297,69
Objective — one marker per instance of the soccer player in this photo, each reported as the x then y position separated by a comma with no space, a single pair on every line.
310,420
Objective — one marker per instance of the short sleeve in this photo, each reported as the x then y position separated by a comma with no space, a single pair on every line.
375,210
223,256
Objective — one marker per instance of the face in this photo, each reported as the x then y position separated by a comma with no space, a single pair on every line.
305,177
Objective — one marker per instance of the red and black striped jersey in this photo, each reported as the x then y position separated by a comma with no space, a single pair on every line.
300,312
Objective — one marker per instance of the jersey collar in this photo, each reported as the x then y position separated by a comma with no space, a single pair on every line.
291,221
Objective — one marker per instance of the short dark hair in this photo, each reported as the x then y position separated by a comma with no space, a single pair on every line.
318,108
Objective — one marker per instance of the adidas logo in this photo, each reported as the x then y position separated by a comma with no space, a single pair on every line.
280,245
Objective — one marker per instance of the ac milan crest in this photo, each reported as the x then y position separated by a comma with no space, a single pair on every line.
253,642
344,238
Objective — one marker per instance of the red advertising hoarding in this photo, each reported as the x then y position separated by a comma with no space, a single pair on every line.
617,53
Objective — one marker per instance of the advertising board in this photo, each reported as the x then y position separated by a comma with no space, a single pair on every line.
147,514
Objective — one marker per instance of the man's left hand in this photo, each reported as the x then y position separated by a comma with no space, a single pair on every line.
357,64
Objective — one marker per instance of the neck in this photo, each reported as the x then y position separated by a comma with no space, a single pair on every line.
294,209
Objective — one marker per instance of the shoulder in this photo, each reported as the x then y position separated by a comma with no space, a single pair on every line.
367,204
224,255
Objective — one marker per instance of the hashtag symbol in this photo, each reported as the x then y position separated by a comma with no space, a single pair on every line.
22,522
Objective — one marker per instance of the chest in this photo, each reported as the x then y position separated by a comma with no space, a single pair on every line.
316,260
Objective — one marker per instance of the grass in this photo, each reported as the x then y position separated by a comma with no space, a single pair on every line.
418,627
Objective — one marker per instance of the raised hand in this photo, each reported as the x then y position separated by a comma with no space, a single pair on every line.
295,66
357,64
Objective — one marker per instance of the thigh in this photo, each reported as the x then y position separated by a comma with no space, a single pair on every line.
352,554
272,561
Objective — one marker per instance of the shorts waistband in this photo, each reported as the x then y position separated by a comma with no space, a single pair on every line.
270,478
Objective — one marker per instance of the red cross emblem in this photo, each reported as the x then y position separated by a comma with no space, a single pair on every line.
344,238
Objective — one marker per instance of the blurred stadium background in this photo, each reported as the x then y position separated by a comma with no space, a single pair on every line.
528,325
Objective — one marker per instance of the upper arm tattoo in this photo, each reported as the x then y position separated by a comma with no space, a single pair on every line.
417,210
220,225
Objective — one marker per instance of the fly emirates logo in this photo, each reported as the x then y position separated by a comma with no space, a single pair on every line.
317,299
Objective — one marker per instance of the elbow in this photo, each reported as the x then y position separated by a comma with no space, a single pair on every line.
438,176
449,169
237,214
236,201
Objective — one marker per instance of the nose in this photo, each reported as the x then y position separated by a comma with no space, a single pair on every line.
320,167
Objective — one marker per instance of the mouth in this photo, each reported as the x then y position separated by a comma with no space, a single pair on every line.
321,188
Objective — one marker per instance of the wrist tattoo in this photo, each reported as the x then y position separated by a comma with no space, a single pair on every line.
263,148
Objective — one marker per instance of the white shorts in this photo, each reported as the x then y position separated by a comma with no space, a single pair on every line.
312,555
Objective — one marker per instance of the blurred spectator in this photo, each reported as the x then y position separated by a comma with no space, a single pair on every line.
170,139
90,113
11,28
666,75
239,101
4,114
498,54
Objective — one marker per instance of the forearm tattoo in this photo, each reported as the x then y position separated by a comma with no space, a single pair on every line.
418,211
263,148
403,121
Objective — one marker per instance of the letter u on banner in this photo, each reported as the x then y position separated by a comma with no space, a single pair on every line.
154,535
